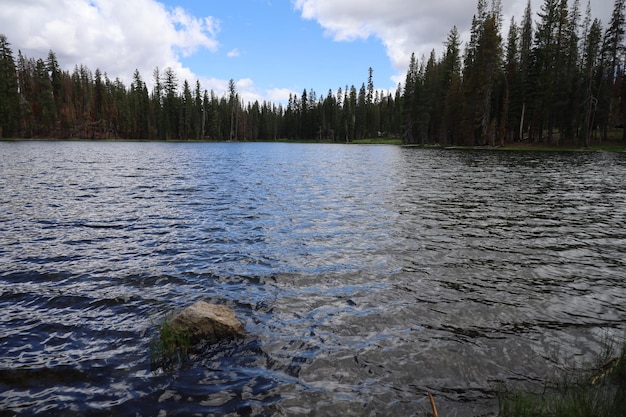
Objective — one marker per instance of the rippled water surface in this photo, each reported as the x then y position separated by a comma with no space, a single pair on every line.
365,276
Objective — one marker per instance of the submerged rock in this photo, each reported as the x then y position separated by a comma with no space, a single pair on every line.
207,321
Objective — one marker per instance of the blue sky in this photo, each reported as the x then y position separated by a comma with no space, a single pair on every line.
271,48
271,44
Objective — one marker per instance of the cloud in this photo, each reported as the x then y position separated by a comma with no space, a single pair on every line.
408,26
403,26
279,95
116,36
249,92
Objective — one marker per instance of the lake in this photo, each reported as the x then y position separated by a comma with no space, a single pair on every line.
365,276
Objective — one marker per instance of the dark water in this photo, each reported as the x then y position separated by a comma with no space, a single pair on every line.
364,276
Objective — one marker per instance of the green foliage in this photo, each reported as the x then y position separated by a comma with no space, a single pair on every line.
521,404
557,82
169,347
9,99
596,392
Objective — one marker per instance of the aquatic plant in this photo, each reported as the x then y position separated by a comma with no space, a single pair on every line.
597,391
170,346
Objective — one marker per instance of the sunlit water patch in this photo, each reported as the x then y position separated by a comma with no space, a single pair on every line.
365,276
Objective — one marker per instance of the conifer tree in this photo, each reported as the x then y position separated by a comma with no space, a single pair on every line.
450,87
233,102
9,98
526,36
613,51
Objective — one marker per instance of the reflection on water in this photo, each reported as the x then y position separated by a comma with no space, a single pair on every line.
364,275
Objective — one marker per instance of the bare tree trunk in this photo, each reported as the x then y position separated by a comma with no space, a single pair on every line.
521,122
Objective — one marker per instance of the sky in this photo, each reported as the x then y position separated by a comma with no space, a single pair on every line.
270,48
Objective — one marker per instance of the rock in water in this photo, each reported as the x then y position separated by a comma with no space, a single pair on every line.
208,321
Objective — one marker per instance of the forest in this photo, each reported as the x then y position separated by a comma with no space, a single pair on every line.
556,77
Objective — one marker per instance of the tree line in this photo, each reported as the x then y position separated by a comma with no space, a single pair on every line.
557,79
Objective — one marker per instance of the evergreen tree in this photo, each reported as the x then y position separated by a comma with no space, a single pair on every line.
361,113
9,98
410,101
489,59
593,73
187,113
432,103
512,100
139,108
545,56
613,51
52,65
573,95
233,103
99,104
525,87
614,40
44,109
450,88
198,113
171,108
156,103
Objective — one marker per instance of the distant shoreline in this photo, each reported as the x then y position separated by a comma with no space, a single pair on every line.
535,147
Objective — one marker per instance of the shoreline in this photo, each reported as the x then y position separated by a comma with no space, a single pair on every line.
539,147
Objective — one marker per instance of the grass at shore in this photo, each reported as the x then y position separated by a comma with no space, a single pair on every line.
599,391
378,141
600,148
169,346
614,146
365,141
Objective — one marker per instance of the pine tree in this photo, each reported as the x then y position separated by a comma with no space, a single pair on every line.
592,72
171,105
526,37
546,56
372,117
9,98
139,108
572,95
44,109
187,113
156,103
197,127
490,61
351,104
99,104
614,40
513,98
361,113
233,103
410,101
450,82
613,52
52,65
432,104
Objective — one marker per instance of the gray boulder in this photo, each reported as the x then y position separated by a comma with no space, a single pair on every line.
207,321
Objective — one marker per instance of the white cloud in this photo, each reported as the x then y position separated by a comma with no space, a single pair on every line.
279,95
409,26
116,36
249,92
403,26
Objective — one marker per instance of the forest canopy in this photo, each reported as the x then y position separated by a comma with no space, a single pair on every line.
556,77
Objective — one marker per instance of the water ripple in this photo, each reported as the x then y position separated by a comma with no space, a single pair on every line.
364,276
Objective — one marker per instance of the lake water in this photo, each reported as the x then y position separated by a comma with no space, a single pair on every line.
365,276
